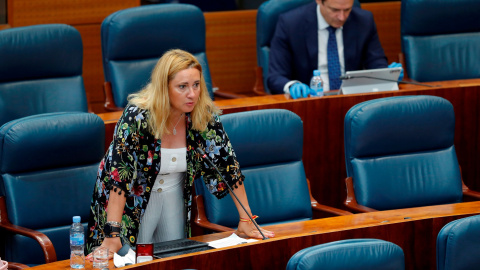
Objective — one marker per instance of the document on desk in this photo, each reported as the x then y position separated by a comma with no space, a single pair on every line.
232,240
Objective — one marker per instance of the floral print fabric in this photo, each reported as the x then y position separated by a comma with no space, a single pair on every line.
132,163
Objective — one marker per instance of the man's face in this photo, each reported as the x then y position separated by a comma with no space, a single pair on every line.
335,12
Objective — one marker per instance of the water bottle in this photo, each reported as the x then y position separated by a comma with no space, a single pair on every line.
77,242
316,84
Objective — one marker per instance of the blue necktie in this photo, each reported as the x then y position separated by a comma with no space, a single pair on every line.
332,59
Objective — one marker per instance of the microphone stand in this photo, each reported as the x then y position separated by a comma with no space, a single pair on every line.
382,79
205,157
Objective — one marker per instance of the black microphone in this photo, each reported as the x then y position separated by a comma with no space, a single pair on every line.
206,158
348,77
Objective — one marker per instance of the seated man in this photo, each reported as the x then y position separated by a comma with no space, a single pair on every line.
307,38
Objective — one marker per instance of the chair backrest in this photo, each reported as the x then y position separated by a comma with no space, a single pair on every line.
268,145
400,152
441,44
359,254
134,39
40,71
457,244
48,165
267,17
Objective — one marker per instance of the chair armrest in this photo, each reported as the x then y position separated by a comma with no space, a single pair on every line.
401,60
351,201
109,102
259,88
16,266
226,95
324,208
331,210
201,220
470,193
45,243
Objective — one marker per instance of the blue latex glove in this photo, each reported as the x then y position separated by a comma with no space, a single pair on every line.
298,90
395,64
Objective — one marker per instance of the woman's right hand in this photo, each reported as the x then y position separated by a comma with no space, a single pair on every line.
113,244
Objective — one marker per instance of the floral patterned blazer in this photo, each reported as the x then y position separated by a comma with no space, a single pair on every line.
132,162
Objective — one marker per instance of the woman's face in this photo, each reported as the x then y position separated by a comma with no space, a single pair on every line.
184,90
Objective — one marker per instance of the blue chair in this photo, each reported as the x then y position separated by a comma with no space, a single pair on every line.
457,244
358,254
441,44
268,145
400,153
134,39
40,71
267,17
48,167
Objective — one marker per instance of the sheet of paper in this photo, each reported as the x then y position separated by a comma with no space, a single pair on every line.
121,261
232,240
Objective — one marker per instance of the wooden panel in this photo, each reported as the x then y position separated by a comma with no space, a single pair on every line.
415,230
92,64
231,49
387,18
26,12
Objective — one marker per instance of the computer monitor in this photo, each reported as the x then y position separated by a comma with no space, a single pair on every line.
371,80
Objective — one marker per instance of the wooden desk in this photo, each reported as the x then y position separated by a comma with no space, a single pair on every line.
415,230
323,152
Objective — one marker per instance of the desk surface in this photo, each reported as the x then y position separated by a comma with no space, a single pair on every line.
414,230
323,152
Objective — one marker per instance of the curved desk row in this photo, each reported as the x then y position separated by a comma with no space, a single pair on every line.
414,230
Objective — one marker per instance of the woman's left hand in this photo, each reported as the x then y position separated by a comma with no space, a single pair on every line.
249,229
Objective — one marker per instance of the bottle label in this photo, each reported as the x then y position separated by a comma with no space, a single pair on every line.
317,90
77,239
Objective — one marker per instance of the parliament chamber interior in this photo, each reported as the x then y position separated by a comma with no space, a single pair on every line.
391,175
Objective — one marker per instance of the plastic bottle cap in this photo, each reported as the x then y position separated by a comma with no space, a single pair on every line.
76,219
316,72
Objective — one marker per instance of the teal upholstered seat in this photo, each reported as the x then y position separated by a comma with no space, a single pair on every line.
40,71
48,167
400,153
269,148
457,244
134,39
440,39
358,254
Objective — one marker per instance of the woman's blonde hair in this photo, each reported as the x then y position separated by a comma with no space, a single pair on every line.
155,98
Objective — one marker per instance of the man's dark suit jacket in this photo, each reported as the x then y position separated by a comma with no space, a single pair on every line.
294,46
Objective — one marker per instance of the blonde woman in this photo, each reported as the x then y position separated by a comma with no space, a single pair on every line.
144,182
